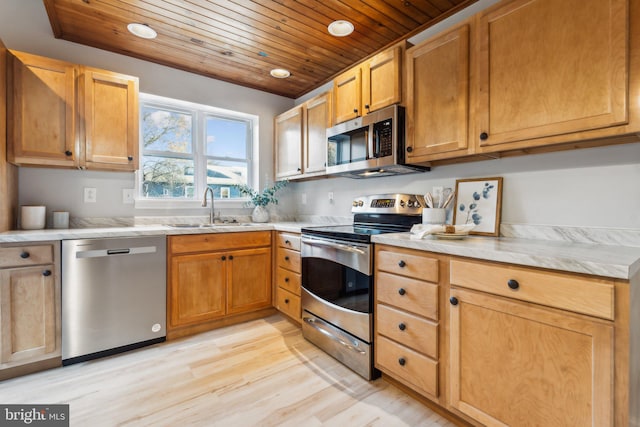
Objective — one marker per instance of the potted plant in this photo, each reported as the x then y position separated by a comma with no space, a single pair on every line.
261,200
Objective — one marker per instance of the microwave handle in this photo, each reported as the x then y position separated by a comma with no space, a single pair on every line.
371,145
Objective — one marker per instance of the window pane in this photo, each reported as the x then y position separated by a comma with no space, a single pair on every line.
167,177
226,138
222,175
164,130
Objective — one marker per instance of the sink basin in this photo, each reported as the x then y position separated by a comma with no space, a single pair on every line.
220,224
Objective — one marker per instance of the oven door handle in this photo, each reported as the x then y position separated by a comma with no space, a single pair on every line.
316,324
334,245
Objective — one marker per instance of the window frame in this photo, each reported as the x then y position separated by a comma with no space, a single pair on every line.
199,114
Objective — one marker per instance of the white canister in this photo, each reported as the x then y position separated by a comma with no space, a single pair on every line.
33,217
434,216
60,219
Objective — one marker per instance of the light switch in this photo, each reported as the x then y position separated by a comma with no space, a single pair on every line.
127,196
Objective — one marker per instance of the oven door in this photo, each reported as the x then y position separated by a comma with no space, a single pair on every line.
337,283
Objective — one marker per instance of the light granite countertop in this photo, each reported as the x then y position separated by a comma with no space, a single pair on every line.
619,262
615,261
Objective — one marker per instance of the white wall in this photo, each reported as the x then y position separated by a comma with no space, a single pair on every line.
24,26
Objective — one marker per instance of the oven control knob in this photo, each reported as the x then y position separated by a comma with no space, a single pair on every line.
410,204
354,204
402,203
360,203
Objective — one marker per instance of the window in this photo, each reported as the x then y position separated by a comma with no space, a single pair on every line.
186,147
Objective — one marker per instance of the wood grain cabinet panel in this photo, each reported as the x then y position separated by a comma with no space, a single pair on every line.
438,96
288,150
549,68
288,274
30,334
514,363
215,278
71,116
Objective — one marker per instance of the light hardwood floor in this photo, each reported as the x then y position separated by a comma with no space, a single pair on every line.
259,373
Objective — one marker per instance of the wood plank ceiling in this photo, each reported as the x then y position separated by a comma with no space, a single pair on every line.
241,41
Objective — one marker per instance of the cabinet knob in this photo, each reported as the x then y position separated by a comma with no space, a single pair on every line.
366,106
25,255
230,257
129,158
46,273
299,170
355,110
68,153
513,284
401,291
401,264
409,149
224,258
286,242
453,301
286,279
286,258
484,136
286,300
402,326
402,361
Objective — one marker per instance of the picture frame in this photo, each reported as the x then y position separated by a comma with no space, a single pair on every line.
479,201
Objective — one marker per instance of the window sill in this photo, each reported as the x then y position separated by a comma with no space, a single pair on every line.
187,204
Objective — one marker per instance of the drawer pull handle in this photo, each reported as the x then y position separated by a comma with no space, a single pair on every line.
286,300
224,258
25,255
286,258
46,273
286,279
286,242
402,361
401,291
453,301
402,326
513,284
401,264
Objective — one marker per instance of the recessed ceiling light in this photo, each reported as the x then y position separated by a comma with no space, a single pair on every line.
340,28
280,73
142,30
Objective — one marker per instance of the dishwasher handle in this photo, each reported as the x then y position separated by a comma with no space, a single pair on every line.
99,253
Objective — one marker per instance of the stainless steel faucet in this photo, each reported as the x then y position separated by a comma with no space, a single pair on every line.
212,214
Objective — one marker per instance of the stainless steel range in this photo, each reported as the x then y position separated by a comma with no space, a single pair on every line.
337,277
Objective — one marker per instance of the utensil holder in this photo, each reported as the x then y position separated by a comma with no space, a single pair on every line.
434,216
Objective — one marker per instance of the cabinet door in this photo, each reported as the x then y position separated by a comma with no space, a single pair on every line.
289,143
110,104
317,120
438,96
548,68
196,288
519,364
249,280
27,313
347,95
382,80
42,130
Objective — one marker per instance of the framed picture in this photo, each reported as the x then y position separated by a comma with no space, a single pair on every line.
225,192
479,202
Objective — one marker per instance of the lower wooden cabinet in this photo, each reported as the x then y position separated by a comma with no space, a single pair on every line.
288,268
29,309
215,277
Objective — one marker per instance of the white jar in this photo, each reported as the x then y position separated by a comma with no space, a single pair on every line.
33,217
434,216
60,219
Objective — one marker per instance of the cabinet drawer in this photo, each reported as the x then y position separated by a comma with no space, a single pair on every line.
289,241
26,255
289,259
288,303
218,241
411,295
408,329
415,265
408,365
584,295
288,280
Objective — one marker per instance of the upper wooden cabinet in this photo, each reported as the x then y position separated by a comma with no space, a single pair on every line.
551,69
374,84
67,115
301,139
438,96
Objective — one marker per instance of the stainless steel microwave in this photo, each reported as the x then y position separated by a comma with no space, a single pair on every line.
370,146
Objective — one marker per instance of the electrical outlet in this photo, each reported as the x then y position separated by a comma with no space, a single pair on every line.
90,195
330,196
127,196
303,198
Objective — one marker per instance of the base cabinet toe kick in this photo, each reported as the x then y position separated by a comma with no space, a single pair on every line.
469,335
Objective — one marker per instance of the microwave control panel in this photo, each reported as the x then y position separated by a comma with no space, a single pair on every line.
383,132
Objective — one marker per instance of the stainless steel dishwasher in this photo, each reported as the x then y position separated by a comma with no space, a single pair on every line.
113,295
